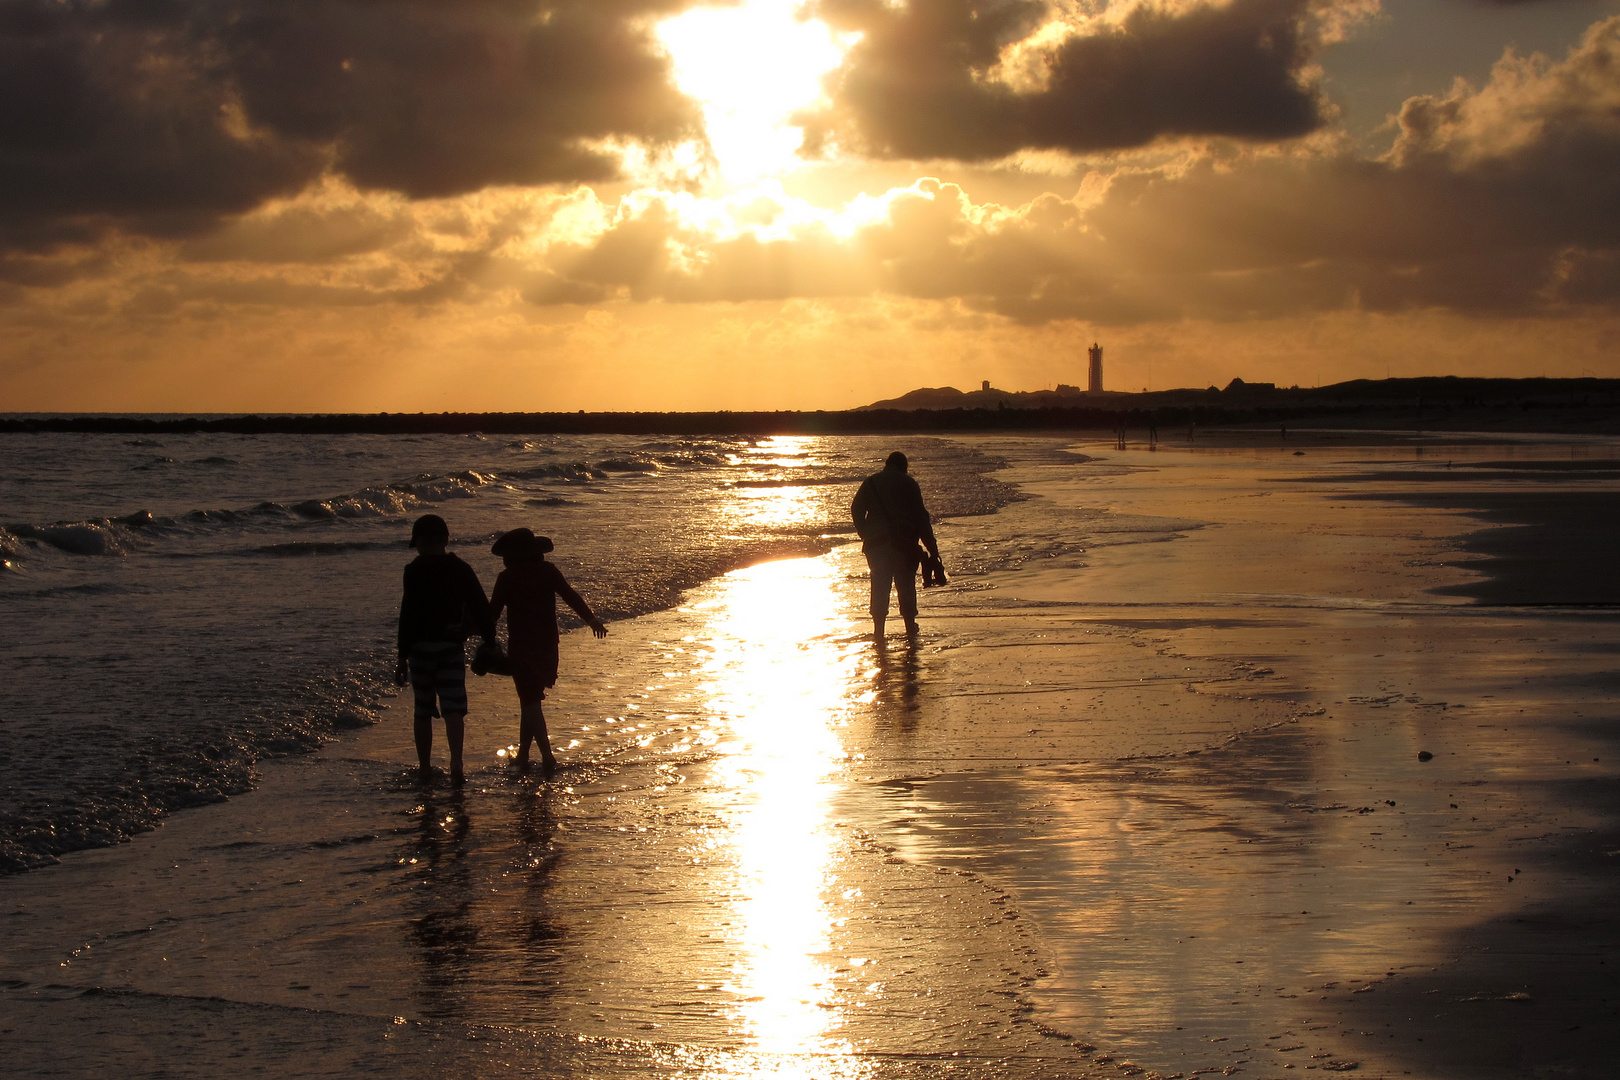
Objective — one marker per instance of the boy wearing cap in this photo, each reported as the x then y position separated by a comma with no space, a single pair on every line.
443,601
527,590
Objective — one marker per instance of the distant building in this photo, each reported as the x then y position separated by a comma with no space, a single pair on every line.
985,385
1094,370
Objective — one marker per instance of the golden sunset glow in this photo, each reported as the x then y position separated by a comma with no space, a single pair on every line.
1078,525
752,67
773,205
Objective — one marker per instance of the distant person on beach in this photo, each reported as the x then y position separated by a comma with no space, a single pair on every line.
442,606
527,590
891,519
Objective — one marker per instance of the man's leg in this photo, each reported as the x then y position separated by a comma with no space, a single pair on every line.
881,566
905,584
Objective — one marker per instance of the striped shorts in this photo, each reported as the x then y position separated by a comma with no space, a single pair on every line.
439,678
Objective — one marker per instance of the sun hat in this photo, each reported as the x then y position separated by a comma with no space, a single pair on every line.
521,543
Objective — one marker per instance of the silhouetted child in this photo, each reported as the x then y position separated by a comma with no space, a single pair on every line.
443,602
528,589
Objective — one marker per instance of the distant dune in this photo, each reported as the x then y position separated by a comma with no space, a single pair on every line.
1445,403
949,397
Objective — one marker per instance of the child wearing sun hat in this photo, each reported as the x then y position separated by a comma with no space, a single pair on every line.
527,591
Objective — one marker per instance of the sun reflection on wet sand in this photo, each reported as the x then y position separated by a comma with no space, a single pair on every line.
780,675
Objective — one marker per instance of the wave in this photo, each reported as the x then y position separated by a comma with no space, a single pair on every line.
394,500
712,447
105,537
575,472
172,768
11,545
631,465
139,530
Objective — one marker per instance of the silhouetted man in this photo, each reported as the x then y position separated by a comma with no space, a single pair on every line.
442,606
891,518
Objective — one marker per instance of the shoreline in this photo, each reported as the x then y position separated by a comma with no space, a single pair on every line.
1042,790
296,721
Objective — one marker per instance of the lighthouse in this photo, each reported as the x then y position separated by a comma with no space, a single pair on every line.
1094,371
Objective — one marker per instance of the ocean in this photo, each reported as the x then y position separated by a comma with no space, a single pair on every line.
179,608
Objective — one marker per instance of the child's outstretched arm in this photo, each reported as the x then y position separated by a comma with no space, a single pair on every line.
581,608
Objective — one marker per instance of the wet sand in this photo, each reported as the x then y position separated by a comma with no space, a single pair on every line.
1150,804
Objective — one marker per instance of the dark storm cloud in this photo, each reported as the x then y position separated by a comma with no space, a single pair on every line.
915,86
163,115
112,111
432,98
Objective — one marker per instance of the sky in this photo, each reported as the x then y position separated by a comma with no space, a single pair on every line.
346,205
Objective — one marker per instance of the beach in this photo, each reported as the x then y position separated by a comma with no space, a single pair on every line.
1243,755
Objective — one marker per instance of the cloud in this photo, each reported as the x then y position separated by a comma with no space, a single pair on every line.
1495,201
931,79
434,99
307,231
161,117
111,111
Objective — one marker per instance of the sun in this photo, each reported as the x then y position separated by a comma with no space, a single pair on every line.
751,67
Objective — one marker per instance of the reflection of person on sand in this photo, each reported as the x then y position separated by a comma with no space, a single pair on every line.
891,519
528,589
442,601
